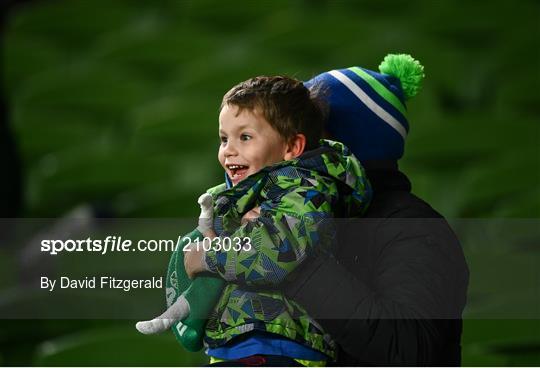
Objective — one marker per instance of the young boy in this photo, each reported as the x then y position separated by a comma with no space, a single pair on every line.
287,183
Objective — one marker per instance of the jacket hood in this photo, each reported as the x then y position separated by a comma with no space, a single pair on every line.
331,159
335,160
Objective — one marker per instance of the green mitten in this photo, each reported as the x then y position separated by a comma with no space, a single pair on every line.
201,294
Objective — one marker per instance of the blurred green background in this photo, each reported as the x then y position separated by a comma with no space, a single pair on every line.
116,102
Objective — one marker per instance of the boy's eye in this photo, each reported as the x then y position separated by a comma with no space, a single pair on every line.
223,139
245,137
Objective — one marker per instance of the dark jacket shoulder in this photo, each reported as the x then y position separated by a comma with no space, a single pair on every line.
395,288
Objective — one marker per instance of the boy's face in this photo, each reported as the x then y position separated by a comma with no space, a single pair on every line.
248,143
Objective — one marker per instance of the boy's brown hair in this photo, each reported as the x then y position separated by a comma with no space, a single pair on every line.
285,103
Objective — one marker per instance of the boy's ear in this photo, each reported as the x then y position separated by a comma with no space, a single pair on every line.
295,147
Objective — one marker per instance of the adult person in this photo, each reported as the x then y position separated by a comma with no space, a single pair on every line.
394,291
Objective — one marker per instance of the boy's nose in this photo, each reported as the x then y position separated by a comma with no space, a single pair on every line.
230,149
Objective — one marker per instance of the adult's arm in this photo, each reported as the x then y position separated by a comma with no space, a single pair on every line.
408,311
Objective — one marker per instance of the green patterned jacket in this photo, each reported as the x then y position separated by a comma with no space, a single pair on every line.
297,199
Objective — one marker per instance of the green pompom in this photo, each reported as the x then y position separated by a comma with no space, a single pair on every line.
408,70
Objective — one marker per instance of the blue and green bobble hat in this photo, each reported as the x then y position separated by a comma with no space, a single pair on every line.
367,110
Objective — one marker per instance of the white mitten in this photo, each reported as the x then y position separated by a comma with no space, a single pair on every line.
176,312
206,218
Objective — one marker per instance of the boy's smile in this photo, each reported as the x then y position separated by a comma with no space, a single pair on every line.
248,143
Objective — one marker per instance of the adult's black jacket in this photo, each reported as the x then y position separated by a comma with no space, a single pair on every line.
395,291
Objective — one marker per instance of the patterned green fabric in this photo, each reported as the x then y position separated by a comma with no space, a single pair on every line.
297,199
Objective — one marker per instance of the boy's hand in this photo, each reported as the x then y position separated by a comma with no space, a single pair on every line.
194,257
194,261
